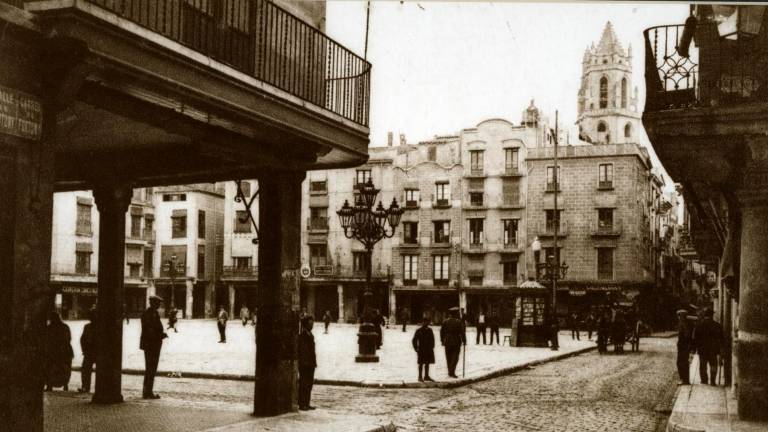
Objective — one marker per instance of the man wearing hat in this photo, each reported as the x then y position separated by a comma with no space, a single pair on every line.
708,341
150,342
684,347
452,336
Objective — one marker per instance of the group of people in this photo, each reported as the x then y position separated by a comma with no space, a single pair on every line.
492,323
704,338
452,336
613,326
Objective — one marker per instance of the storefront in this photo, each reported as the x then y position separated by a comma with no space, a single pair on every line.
490,301
582,297
435,303
74,300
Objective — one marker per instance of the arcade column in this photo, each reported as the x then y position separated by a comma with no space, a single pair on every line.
276,386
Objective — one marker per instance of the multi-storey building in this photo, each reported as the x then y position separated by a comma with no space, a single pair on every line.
190,226
75,251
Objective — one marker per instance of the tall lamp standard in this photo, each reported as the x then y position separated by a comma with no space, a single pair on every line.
172,275
366,225
549,272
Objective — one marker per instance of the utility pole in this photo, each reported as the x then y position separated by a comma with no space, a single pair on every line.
557,226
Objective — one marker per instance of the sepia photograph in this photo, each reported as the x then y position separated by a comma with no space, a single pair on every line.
383,215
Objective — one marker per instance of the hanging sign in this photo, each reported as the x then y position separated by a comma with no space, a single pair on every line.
21,115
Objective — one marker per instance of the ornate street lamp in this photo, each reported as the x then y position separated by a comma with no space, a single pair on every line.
548,273
368,226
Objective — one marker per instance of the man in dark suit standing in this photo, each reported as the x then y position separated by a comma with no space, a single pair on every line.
452,336
708,341
307,362
151,341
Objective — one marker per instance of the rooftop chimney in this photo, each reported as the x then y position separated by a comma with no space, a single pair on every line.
389,139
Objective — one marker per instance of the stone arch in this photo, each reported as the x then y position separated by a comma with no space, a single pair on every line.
603,92
628,130
603,134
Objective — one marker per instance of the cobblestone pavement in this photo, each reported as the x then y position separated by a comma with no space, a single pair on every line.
584,393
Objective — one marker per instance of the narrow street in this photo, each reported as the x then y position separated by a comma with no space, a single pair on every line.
583,393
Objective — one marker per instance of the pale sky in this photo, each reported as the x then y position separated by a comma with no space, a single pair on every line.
439,67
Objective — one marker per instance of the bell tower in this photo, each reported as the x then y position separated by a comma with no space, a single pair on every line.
607,111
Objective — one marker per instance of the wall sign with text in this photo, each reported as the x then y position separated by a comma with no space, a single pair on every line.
21,115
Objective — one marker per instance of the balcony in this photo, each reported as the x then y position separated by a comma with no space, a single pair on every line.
547,229
317,224
551,187
477,200
512,172
411,205
441,203
476,172
148,236
605,185
601,229
235,272
513,201
440,241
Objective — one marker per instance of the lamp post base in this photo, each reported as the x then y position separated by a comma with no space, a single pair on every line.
367,341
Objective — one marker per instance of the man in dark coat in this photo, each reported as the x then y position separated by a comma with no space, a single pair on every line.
481,326
58,354
221,324
618,332
424,343
453,336
88,347
684,346
378,322
307,362
493,324
708,341
172,318
151,341
603,328
404,317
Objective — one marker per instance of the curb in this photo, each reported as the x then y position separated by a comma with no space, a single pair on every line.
368,384
386,428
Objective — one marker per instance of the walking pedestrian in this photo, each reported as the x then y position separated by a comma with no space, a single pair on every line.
221,323
424,344
88,347
58,354
573,323
481,326
550,322
708,342
618,332
172,318
404,317
603,328
327,320
452,336
151,341
684,346
307,362
244,314
378,322
493,324
589,323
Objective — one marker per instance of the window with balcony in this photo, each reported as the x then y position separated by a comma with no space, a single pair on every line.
476,162
603,92
134,270
318,186
441,269
149,226
318,218
476,199
178,226
83,220
510,232
241,263
410,269
605,176
362,176
83,262
605,219
605,263
432,154
201,224
442,194
201,262
359,263
318,255
511,160
412,198
552,219
148,263
551,178
410,232
136,226
509,269
476,232
442,231
510,190
242,223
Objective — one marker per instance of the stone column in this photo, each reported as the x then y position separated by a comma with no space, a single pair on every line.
752,342
278,301
392,302
231,300
340,292
190,296
112,201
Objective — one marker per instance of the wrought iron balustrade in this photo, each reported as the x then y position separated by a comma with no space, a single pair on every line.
262,40
244,272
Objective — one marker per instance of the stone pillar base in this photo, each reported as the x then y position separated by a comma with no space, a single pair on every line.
367,340
752,392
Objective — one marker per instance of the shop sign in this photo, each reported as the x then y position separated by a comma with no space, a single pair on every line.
603,288
81,290
21,115
577,293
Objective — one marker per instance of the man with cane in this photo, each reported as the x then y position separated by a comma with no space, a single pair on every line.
452,336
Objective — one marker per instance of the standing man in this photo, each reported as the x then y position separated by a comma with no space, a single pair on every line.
493,323
404,317
589,323
150,342
708,341
452,336
307,362
684,346
424,344
221,323
172,312
480,328
244,314
327,320
575,326
88,347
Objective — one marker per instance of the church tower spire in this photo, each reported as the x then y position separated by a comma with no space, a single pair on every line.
607,105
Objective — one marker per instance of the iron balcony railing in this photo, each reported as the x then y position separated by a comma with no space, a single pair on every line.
241,272
263,40
317,223
716,71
